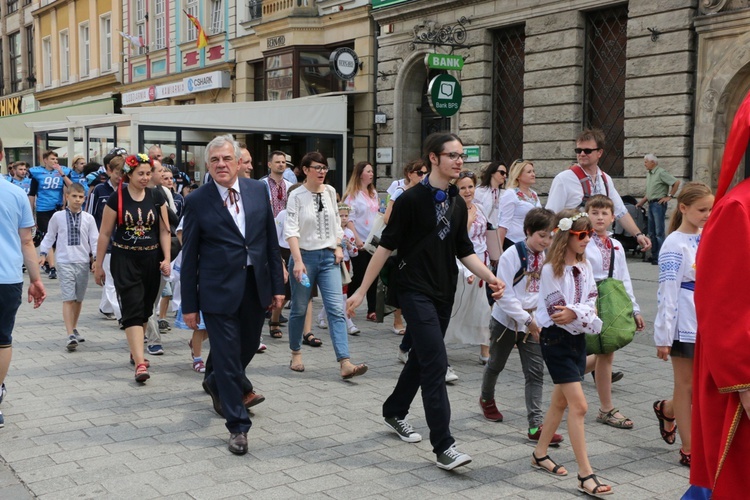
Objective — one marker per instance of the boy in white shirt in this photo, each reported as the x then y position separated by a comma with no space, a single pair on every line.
601,211
76,235
513,323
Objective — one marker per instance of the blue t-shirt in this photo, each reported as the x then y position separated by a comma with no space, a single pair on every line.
47,186
15,214
24,184
80,179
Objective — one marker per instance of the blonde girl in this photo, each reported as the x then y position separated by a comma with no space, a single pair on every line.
675,325
565,312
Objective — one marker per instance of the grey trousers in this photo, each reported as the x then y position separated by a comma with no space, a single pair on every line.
502,340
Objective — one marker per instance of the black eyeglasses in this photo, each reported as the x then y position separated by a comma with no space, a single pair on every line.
319,168
319,197
582,234
455,156
588,151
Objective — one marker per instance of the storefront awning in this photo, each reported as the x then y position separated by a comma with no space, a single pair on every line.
16,134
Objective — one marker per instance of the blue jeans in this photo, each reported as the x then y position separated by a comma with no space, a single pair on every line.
656,214
326,274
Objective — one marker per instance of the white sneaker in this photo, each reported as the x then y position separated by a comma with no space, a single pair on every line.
353,330
322,323
452,458
450,375
402,356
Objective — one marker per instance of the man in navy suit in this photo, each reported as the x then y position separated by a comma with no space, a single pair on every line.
232,273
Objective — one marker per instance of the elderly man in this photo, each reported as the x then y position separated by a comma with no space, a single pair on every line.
155,153
572,187
661,186
231,272
16,247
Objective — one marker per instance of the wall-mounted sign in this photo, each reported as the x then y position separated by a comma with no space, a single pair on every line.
136,96
345,63
444,61
384,155
275,41
445,95
376,4
198,83
10,106
207,81
473,154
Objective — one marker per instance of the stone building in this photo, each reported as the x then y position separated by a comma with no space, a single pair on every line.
537,71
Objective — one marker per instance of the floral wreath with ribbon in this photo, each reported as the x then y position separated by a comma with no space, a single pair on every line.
567,222
133,161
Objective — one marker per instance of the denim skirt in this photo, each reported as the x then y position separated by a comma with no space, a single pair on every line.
564,354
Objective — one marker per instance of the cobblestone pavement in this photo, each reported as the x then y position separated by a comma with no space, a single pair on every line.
77,426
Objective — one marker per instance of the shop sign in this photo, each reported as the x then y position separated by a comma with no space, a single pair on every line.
376,4
29,104
472,153
445,95
344,63
170,90
10,106
384,155
444,61
207,81
136,96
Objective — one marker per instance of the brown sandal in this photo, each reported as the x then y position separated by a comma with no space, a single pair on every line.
667,436
357,371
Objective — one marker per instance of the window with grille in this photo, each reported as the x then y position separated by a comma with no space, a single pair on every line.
64,56
105,38
192,31
47,61
217,18
507,93
30,54
16,66
84,49
604,82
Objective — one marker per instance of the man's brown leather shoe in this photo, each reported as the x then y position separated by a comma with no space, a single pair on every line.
238,443
252,398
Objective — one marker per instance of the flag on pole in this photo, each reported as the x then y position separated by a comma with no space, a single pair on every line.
136,41
202,38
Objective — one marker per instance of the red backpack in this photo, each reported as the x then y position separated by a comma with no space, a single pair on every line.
586,183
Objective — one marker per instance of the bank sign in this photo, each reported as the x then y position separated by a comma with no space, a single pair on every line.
445,95
376,4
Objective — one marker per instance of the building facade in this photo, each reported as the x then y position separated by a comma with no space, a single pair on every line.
536,73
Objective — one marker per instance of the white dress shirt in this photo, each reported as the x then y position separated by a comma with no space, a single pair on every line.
566,192
237,211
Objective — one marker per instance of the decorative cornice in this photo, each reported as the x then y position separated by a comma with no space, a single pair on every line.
104,82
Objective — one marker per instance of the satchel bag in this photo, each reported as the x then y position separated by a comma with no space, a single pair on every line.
615,309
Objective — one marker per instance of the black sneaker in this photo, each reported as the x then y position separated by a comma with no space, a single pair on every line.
404,430
72,343
163,326
452,458
52,273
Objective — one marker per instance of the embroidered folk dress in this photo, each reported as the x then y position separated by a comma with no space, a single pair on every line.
675,316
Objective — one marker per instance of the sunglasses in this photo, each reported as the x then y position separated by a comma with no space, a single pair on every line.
587,151
419,173
464,175
504,173
582,234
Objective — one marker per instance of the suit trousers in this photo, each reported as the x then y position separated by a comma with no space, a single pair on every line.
428,361
234,338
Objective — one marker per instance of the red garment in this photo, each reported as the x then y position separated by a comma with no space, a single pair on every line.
721,428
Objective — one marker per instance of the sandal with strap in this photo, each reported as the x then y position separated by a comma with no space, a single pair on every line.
685,458
276,332
372,317
537,464
356,371
593,492
141,373
610,418
312,340
667,436
199,366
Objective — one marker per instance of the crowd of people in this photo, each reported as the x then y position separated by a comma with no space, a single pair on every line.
468,257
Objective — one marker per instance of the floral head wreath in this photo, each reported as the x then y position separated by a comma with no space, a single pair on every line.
344,206
133,161
567,222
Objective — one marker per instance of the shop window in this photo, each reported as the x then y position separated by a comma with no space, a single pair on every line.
15,59
46,61
280,77
507,91
64,56
217,17
105,38
30,56
300,72
315,75
84,49
604,82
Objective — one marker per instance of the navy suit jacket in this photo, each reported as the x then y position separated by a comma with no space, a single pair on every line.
214,253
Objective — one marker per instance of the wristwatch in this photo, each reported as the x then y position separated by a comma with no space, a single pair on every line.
528,321
639,234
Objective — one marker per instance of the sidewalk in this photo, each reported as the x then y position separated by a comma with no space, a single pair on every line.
77,425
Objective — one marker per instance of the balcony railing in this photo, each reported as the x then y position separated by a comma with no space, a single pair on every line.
289,8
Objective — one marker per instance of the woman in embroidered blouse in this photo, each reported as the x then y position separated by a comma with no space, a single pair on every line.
140,250
487,194
516,202
675,325
362,197
566,310
313,231
470,317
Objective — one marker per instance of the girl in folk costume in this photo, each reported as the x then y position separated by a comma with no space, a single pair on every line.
566,310
470,317
675,326
721,396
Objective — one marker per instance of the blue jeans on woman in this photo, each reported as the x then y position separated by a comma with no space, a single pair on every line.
656,214
326,274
